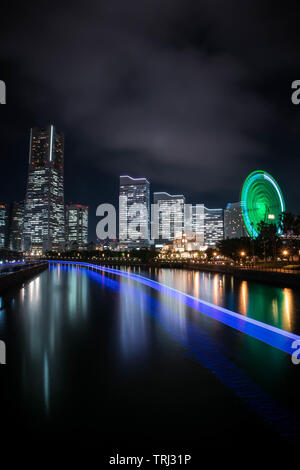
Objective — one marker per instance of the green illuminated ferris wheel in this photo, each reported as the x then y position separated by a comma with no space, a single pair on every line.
261,201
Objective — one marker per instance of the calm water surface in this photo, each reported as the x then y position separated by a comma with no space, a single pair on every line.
101,360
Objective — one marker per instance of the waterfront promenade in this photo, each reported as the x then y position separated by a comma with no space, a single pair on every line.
280,275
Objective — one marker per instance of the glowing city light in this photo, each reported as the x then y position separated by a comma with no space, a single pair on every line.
275,337
260,195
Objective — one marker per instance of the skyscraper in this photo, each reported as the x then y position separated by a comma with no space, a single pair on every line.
4,211
134,212
170,216
16,221
233,221
198,218
213,226
44,223
77,226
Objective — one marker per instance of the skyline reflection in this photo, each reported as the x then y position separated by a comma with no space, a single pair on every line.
274,305
85,340
133,327
47,304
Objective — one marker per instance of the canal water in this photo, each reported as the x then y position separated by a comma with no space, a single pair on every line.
98,361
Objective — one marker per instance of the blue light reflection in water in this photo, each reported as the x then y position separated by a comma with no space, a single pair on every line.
133,326
266,333
201,346
46,382
124,331
2,314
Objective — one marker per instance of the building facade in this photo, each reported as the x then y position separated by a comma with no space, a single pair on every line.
169,217
213,226
77,226
44,221
16,223
198,218
4,221
233,221
134,212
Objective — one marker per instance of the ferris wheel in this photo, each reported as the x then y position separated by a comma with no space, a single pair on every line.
261,201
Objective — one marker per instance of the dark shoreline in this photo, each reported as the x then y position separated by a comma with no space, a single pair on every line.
17,278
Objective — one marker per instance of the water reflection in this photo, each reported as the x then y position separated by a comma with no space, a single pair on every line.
274,305
288,306
133,326
173,314
2,312
178,321
46,382
70,315
175,318
243,295
77,292
46,305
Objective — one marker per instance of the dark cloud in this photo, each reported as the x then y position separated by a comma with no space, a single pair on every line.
193,95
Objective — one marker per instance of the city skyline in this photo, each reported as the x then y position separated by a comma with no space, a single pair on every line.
187,106
149,232
154,195
48,223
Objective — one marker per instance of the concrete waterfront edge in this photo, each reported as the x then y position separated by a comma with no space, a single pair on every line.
17,278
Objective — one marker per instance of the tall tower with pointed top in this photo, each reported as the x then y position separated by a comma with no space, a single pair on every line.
44,221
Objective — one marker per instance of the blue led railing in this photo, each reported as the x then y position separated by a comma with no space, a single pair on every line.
276,337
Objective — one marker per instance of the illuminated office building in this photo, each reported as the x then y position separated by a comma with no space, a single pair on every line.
44,222
77,226
233,221
213,226
198,218
134,212
16,221
4,213
170,216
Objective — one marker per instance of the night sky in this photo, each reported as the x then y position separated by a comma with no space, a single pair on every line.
194,95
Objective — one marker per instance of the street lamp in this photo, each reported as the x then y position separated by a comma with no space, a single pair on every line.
243,254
